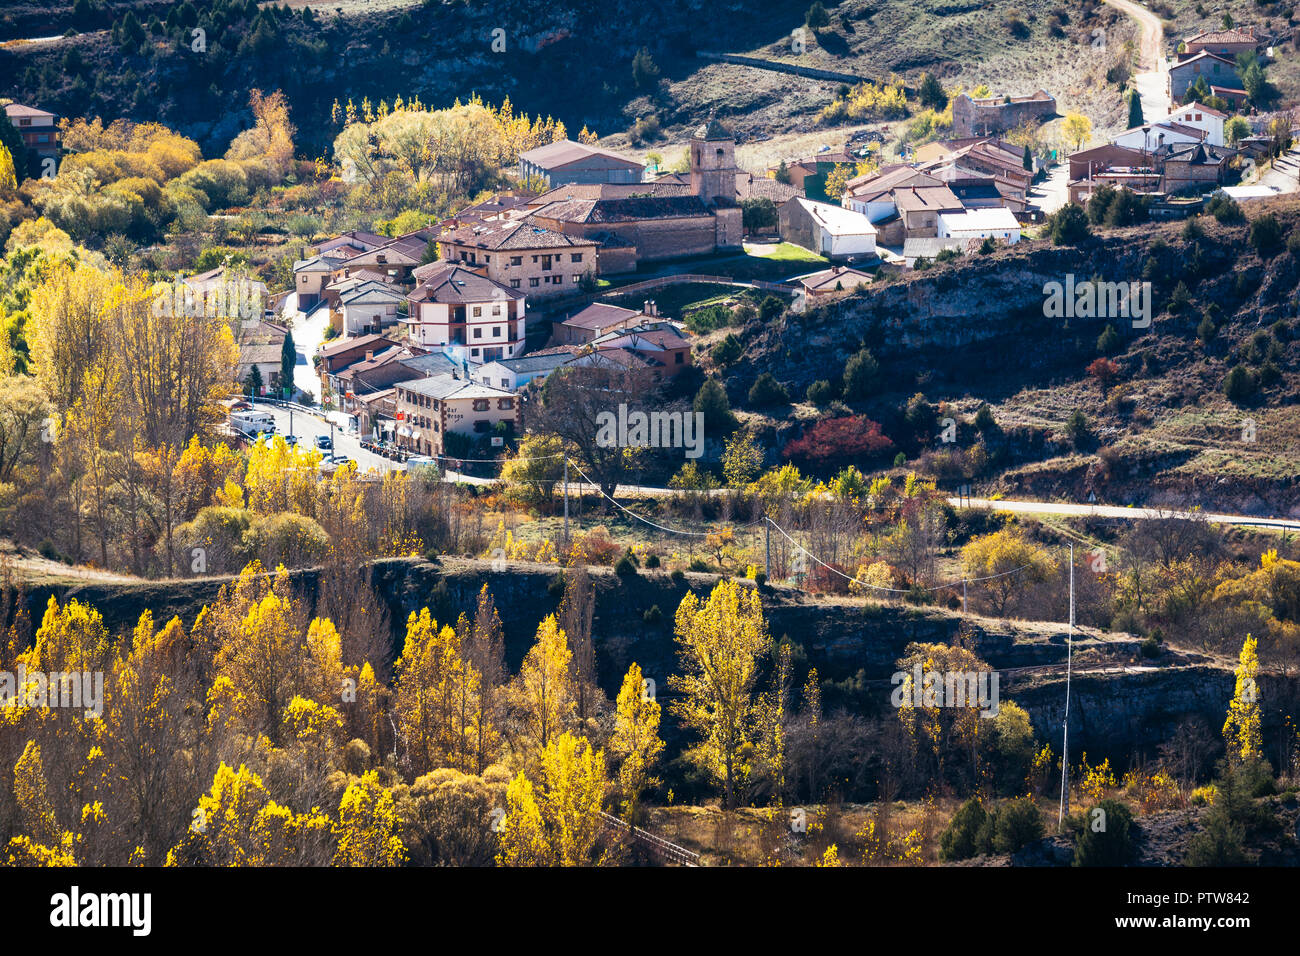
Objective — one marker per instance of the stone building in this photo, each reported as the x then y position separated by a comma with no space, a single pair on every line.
992,115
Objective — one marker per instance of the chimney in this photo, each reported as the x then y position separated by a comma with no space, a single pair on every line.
370,355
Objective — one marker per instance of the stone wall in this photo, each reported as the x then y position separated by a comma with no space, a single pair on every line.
989,117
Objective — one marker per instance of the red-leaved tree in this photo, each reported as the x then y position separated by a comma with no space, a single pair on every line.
839,440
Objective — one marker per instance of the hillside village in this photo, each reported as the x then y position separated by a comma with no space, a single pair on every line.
522,429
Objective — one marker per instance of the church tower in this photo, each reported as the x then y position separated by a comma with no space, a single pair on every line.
713,163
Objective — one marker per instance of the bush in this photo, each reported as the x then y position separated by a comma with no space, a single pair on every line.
861,375
984,420
770,309
727,351
1108,343
1266,236
1150,647
699,564
677,576
1068,225
1106,839
1017,824
821,392
1224,208
652,615
768,391
625,567
966,834
1240,384
1076,428
652,561
760,579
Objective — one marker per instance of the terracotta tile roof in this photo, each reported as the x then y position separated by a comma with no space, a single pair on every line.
599,316
517,234
566,151
454,284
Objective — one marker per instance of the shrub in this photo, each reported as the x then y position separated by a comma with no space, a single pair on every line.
760,579
984,420
1109,341
1207,330
699,564
768,391
821,392
625,567
652,615
1266,236
1017,824
1224,208
652,561
1150,647
1068,225
1076,428
1106,839
861,375
677,576
833,439
727,351
1240,384
770,309
966,834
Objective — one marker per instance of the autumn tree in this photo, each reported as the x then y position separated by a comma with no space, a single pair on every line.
635,745
543,691
554,817
1241,730
718,644
1008,560
366,830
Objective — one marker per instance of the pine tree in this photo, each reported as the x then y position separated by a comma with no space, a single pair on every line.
288,359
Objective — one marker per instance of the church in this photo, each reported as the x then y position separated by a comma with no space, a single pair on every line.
668,218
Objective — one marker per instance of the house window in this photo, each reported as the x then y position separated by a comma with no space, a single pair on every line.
482,424
505,404
482,404
496,310
514,283
533,282
474,353
576,257
678,358
478,333
516,260
496,330
477,311
576,278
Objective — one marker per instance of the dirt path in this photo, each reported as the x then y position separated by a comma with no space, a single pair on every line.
1153,31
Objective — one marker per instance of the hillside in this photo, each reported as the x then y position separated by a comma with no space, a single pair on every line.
583,49
1160,430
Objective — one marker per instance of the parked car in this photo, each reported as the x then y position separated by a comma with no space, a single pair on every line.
328,465
420,461
324,442
291,441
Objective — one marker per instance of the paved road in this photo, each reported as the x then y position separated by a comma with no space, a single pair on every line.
308,334
307,427
1054,191
1117,511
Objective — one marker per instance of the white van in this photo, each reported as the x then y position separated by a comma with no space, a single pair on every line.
252,422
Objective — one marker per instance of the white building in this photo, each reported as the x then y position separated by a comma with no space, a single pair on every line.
831,231
1202,118
995,222
465,314
369,307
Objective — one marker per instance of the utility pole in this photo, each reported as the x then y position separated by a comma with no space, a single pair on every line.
963,596
1065,736
767,534
566,500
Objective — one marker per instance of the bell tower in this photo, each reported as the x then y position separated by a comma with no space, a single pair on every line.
713,163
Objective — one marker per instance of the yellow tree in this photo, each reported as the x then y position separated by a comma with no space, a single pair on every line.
718,643
556,821
996,556
238,824
366,831
1077,129
543,690
9,178
429,695
1241,730
635,743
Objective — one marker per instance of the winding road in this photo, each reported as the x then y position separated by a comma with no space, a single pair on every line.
1151,84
